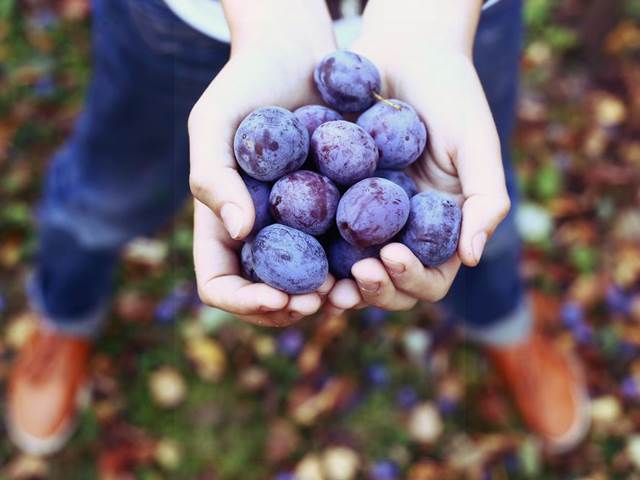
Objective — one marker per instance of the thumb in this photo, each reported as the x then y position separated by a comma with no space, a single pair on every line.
224,192
479,167
214,179
481,214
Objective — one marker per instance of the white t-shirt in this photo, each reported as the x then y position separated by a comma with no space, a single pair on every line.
207,16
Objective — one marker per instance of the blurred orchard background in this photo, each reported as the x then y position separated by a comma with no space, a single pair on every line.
185,392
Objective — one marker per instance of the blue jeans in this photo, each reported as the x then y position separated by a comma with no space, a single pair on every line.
489,299
124,170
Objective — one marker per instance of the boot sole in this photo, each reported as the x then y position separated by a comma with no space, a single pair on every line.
582,425
39,446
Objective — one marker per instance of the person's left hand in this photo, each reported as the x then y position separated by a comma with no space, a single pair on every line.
462,159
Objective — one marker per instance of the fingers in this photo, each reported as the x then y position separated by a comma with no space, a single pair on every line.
220,285
299,306
273,320
376,286
326,287
345,295
237,295
396,282
214,179
481,214
217,271
411,277
224,192
304,305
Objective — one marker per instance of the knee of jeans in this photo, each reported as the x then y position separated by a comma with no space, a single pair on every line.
90,231
99,226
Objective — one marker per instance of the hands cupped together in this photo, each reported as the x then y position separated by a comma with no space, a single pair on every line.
462,158
266,68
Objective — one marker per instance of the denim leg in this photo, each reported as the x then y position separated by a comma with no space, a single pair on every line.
124,170
489,299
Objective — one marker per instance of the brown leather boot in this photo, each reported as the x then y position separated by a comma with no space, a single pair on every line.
47,384
549,390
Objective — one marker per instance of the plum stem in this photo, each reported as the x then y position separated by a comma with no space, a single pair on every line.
380,98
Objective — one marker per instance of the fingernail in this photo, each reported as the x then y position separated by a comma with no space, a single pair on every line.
477,244
267,309
269,303
369,287
232,218
394,267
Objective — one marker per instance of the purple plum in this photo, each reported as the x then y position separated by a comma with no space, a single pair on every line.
289,259
312,116
399,178
306,201
347,81
246,260
372,212
344,152
342,256
400,134
270,142
433,228
259,192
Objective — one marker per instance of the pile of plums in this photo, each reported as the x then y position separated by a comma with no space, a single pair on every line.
329,192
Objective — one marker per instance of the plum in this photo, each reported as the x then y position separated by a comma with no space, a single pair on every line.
270,142
399,133
312,116
259,192
372,212
289,260
306,201
246,260
400,178
347,81
342,256
433,228
344,152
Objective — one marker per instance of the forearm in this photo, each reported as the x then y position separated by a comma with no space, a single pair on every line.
424,22
290,22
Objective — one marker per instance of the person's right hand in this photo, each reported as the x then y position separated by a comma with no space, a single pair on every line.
275,48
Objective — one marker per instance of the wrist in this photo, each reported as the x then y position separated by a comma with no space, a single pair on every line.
280,24
421,24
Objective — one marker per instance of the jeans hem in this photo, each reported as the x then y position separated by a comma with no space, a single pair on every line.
511,329
88,325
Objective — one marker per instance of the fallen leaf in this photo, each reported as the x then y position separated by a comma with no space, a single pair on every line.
168,388
208,358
